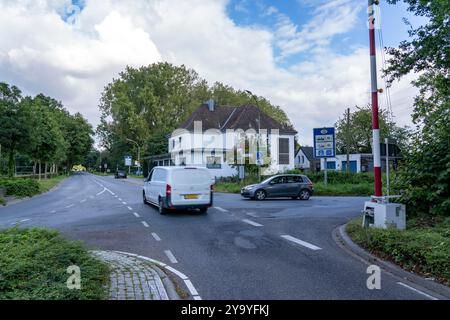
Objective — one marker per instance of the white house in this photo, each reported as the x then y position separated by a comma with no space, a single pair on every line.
360,162
304,159
214,136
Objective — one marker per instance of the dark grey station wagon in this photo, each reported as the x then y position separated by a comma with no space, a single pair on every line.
295,186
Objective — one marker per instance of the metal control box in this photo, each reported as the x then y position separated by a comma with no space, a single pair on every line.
386,215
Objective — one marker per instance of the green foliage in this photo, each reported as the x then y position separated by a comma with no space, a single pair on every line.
148,103
420,249
424,179
359,131
33,265
20,187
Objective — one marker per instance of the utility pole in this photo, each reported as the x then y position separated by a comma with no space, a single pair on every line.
374,89
347,169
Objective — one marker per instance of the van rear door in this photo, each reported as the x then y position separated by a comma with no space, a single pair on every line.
190,186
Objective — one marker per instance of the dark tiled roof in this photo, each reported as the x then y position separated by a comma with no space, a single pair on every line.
227,117
309,152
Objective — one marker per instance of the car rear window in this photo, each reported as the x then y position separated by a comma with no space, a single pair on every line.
191,176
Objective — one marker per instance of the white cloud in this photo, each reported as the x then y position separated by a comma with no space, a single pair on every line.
40,52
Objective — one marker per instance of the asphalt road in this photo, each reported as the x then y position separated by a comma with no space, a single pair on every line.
241,249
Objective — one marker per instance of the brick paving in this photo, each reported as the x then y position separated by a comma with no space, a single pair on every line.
132,278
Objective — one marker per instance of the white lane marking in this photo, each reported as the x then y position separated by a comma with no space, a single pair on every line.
253,223
116,196
178,273
301,242
417,291
69,206
145,224
110,191
221,209
191,287
84,200
119,199
25,220
53,211
124,202
136,214
197,298
129,208
104,189
170,255
156,237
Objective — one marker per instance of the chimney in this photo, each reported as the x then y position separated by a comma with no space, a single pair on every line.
210,103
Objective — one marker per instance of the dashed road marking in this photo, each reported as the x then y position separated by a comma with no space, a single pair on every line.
84,200
136,215
171,257
417,291
145,224
119,199
69,206
53,211
156,237
301,242
123,202
221,209
197,298
129,208
253,223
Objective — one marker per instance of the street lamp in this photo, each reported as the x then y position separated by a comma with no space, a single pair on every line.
258,162
139,152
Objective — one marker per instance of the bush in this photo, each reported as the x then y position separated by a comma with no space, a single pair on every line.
34,262
420,249
20,187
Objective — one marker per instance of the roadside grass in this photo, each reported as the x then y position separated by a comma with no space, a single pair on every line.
340,189
2,202
34,262
47,184
21,188
423,248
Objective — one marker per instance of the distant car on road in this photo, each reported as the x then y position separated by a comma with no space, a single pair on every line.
120,174
173,188
295,186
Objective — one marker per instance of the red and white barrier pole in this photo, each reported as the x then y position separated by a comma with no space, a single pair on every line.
375,124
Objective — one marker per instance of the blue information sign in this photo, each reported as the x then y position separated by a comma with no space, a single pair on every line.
324,143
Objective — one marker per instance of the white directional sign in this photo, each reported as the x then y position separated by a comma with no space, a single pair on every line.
128,161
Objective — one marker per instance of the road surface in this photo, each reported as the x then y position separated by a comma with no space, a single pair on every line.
241,249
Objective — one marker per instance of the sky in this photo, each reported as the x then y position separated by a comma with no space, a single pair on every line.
310,57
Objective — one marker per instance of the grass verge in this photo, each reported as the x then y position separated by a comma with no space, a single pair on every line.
339,189
34,262
423,248
47,184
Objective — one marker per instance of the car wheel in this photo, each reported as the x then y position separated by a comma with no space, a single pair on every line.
161,208
260,195
203,210
143,197
305,194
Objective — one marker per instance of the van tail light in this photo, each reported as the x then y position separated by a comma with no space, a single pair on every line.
168,190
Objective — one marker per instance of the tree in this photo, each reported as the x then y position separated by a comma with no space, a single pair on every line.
78,135
15,125
360,135
425,176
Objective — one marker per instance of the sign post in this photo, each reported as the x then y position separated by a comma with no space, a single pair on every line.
128,162
324,146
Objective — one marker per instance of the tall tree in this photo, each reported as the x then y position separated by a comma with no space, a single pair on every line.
360,135
78,135
15,125
426,174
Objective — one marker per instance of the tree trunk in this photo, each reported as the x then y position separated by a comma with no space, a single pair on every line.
40,169
45,170
11,164
34,170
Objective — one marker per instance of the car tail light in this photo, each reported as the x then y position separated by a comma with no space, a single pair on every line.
168,190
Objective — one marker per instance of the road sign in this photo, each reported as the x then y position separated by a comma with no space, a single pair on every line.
259,158
324,143
128,161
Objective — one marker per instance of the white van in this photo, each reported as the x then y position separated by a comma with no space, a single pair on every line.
172,188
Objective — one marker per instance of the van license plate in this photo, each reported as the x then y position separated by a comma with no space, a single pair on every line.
191,196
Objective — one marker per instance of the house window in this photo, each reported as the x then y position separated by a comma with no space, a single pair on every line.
179,141
173,143
283,151
303,159
213,162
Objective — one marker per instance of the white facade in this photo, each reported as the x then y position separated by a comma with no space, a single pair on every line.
215,150
301,160
339,162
